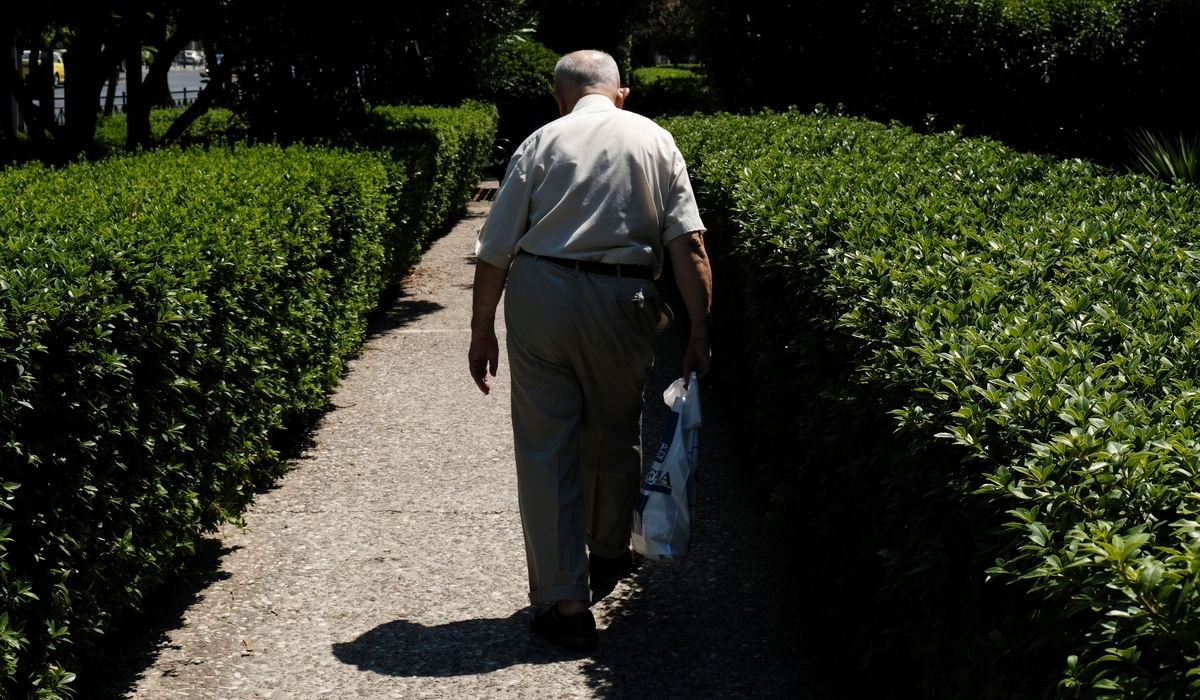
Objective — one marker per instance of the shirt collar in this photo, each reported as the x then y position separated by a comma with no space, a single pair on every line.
593,103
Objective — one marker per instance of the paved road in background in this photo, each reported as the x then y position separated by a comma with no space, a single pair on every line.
179,78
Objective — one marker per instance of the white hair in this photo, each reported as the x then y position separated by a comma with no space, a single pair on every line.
585,69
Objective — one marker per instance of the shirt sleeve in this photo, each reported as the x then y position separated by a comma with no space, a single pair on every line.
682,214
509,217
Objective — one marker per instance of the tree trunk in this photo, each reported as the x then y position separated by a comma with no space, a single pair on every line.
157,89
624,56
137,108
30,114
110,95
41,79
21,89
12,120
86,66
149,91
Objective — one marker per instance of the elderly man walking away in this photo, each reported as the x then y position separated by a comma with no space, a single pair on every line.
579,228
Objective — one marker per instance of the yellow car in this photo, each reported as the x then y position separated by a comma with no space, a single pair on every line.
60,74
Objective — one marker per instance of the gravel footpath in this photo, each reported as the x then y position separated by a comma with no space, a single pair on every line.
389,563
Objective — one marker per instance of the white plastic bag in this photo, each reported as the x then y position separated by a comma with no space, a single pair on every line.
662,515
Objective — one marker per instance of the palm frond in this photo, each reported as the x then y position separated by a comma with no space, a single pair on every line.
1165,157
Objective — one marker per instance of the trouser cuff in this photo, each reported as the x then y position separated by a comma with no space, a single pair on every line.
606,550
556,593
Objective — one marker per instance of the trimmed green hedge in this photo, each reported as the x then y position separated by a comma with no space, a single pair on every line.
662,90
519,80
974,372
217,125
439,151
164,319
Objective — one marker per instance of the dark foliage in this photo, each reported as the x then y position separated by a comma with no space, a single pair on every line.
1070,77
670,31
290,74
969,375
519,80
305,75
606,25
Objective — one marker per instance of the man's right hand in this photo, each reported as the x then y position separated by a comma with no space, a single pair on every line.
483,357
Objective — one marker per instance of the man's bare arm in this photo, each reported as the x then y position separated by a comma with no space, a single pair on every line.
484,355
694,278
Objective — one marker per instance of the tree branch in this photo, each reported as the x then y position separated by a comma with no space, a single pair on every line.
218,78
10,78
165,56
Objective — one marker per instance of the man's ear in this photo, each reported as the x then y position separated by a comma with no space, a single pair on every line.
619,100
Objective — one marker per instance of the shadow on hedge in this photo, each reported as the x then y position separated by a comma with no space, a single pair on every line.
134,643
396,311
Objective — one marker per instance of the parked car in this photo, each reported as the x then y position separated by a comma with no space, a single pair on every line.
60,72
189,57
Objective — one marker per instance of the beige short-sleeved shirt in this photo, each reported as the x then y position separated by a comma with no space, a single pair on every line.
599,184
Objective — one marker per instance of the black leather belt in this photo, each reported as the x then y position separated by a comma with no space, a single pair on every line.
640,272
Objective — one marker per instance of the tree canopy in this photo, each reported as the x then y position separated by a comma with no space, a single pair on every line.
290,72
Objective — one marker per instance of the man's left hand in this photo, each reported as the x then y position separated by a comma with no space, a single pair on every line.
694,278
697,358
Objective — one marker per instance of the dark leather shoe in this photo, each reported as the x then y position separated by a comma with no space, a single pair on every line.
604,574
575,632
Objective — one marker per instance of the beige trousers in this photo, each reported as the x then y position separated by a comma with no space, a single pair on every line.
580,347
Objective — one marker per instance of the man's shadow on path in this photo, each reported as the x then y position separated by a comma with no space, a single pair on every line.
617,668
678,638
463,648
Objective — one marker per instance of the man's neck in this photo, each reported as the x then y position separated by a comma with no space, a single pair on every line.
591,99
567,103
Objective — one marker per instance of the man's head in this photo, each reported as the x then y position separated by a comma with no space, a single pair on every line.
587,73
